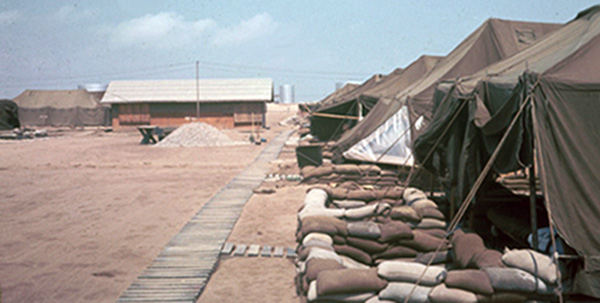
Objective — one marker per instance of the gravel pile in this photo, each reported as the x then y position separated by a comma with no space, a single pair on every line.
197,134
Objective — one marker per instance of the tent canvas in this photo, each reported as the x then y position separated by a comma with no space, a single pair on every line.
9,115
493,41
558,79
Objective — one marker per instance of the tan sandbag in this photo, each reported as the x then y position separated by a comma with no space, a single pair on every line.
361,195
327,225
306,170
486,258
405,213
311,211
428,223
516,280
399,291
393,231
350,185
443,294
383,209
348,203
464,247
303,250
379,261
412,194
435,232
359,213
318,172
364,229
349,281
399,271
354,253
315,266
337,239
394,193
369,246
424,243
321,253
532,262
348,262
431,213
441,257
396,251
423,203
318,237
339,193
376,299
346,169
502,298
473,280
346,298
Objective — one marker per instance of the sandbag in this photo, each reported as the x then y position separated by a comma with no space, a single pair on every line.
362,195
348,281
502,298
405,213
486,258
443,294
532,262
473,280
428,223
424,243
369,169
423,203
464,247
339,193
516,280
376,299
440,258
346,298
435,232
320,253
399,291
394,193
399,271
315,266
317,172
364,229
348,203
348,262
317,237
346,169
394,230
383,209
310,211
354,253
337,239
431,213
303,250
327,225
316,197
412,194
369,246
361,212
396,251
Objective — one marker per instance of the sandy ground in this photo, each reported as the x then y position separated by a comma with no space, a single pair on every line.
85,212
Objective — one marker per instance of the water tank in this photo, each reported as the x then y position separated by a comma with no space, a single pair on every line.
286,93
93,87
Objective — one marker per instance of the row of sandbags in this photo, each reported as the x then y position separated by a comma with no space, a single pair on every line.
374,251
364,174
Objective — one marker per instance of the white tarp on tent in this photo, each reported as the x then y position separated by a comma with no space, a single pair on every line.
395,131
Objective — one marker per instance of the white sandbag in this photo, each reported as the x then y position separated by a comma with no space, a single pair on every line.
301,267
376,299
348,262
321,253
311,294
423,203
317,237
412,194
399,291
532,262
383,209
443,294
428,223
348,203
316,211
361,212
316,197
516,280
401,271
347,298
364,229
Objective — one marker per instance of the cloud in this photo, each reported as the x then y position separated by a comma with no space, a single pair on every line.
8,17
164,30
72,13
247,30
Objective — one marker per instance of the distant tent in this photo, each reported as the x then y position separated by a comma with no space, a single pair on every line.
9,115
313,106
557,83
61,108
327,120
386,125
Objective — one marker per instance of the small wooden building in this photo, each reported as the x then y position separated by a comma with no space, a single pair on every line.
223,103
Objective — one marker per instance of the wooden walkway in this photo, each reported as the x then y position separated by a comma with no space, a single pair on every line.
180,272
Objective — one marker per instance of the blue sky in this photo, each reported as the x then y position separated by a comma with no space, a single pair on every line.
310,44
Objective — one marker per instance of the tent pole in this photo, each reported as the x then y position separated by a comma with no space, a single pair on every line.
532,208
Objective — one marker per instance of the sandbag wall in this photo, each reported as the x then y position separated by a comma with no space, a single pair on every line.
364,174
357,245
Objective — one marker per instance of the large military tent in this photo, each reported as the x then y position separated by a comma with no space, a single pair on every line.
385,128
552,93
61,108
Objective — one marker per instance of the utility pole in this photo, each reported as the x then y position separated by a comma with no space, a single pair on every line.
198,90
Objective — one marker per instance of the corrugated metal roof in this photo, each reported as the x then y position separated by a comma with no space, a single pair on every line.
210,90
